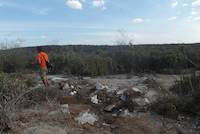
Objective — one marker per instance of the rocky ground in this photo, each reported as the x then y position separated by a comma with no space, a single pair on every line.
102,105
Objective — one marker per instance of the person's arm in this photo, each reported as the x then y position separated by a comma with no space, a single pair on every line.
36,61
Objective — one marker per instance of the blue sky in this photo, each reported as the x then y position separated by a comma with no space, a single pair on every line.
40,22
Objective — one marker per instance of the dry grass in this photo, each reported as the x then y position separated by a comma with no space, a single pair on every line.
17,93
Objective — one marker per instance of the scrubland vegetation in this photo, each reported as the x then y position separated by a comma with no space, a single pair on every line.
182,98
185,99
102,60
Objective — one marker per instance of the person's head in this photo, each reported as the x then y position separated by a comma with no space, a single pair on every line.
39,49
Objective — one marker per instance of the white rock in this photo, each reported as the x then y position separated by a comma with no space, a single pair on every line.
146,100
105,124
86,117
152,95
72,87
94,99
86,78
136,90
73,93
142,88
65,109
66,86
99,86
141,101
109,89
121,91
143,79
57,78
126,113
109,108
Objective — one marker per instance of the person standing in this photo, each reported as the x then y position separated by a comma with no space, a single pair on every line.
42,59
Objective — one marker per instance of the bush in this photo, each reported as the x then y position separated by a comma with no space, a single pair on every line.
101,60
185,101
187,86
30,82
188,91
15,94
10,86
166,106
39,95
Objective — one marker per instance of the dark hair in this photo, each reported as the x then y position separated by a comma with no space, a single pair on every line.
39,49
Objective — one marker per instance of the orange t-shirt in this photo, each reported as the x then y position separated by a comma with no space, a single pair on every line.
42,57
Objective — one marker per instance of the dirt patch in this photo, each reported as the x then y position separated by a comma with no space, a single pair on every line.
117,100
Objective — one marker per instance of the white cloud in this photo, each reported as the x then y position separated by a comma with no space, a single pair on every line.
74,4
196,18
174,4
185,4
138,21
195,3
193,18
98,3
172,18
43,37
194,13
43,11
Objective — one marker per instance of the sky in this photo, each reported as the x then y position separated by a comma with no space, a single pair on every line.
100,22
